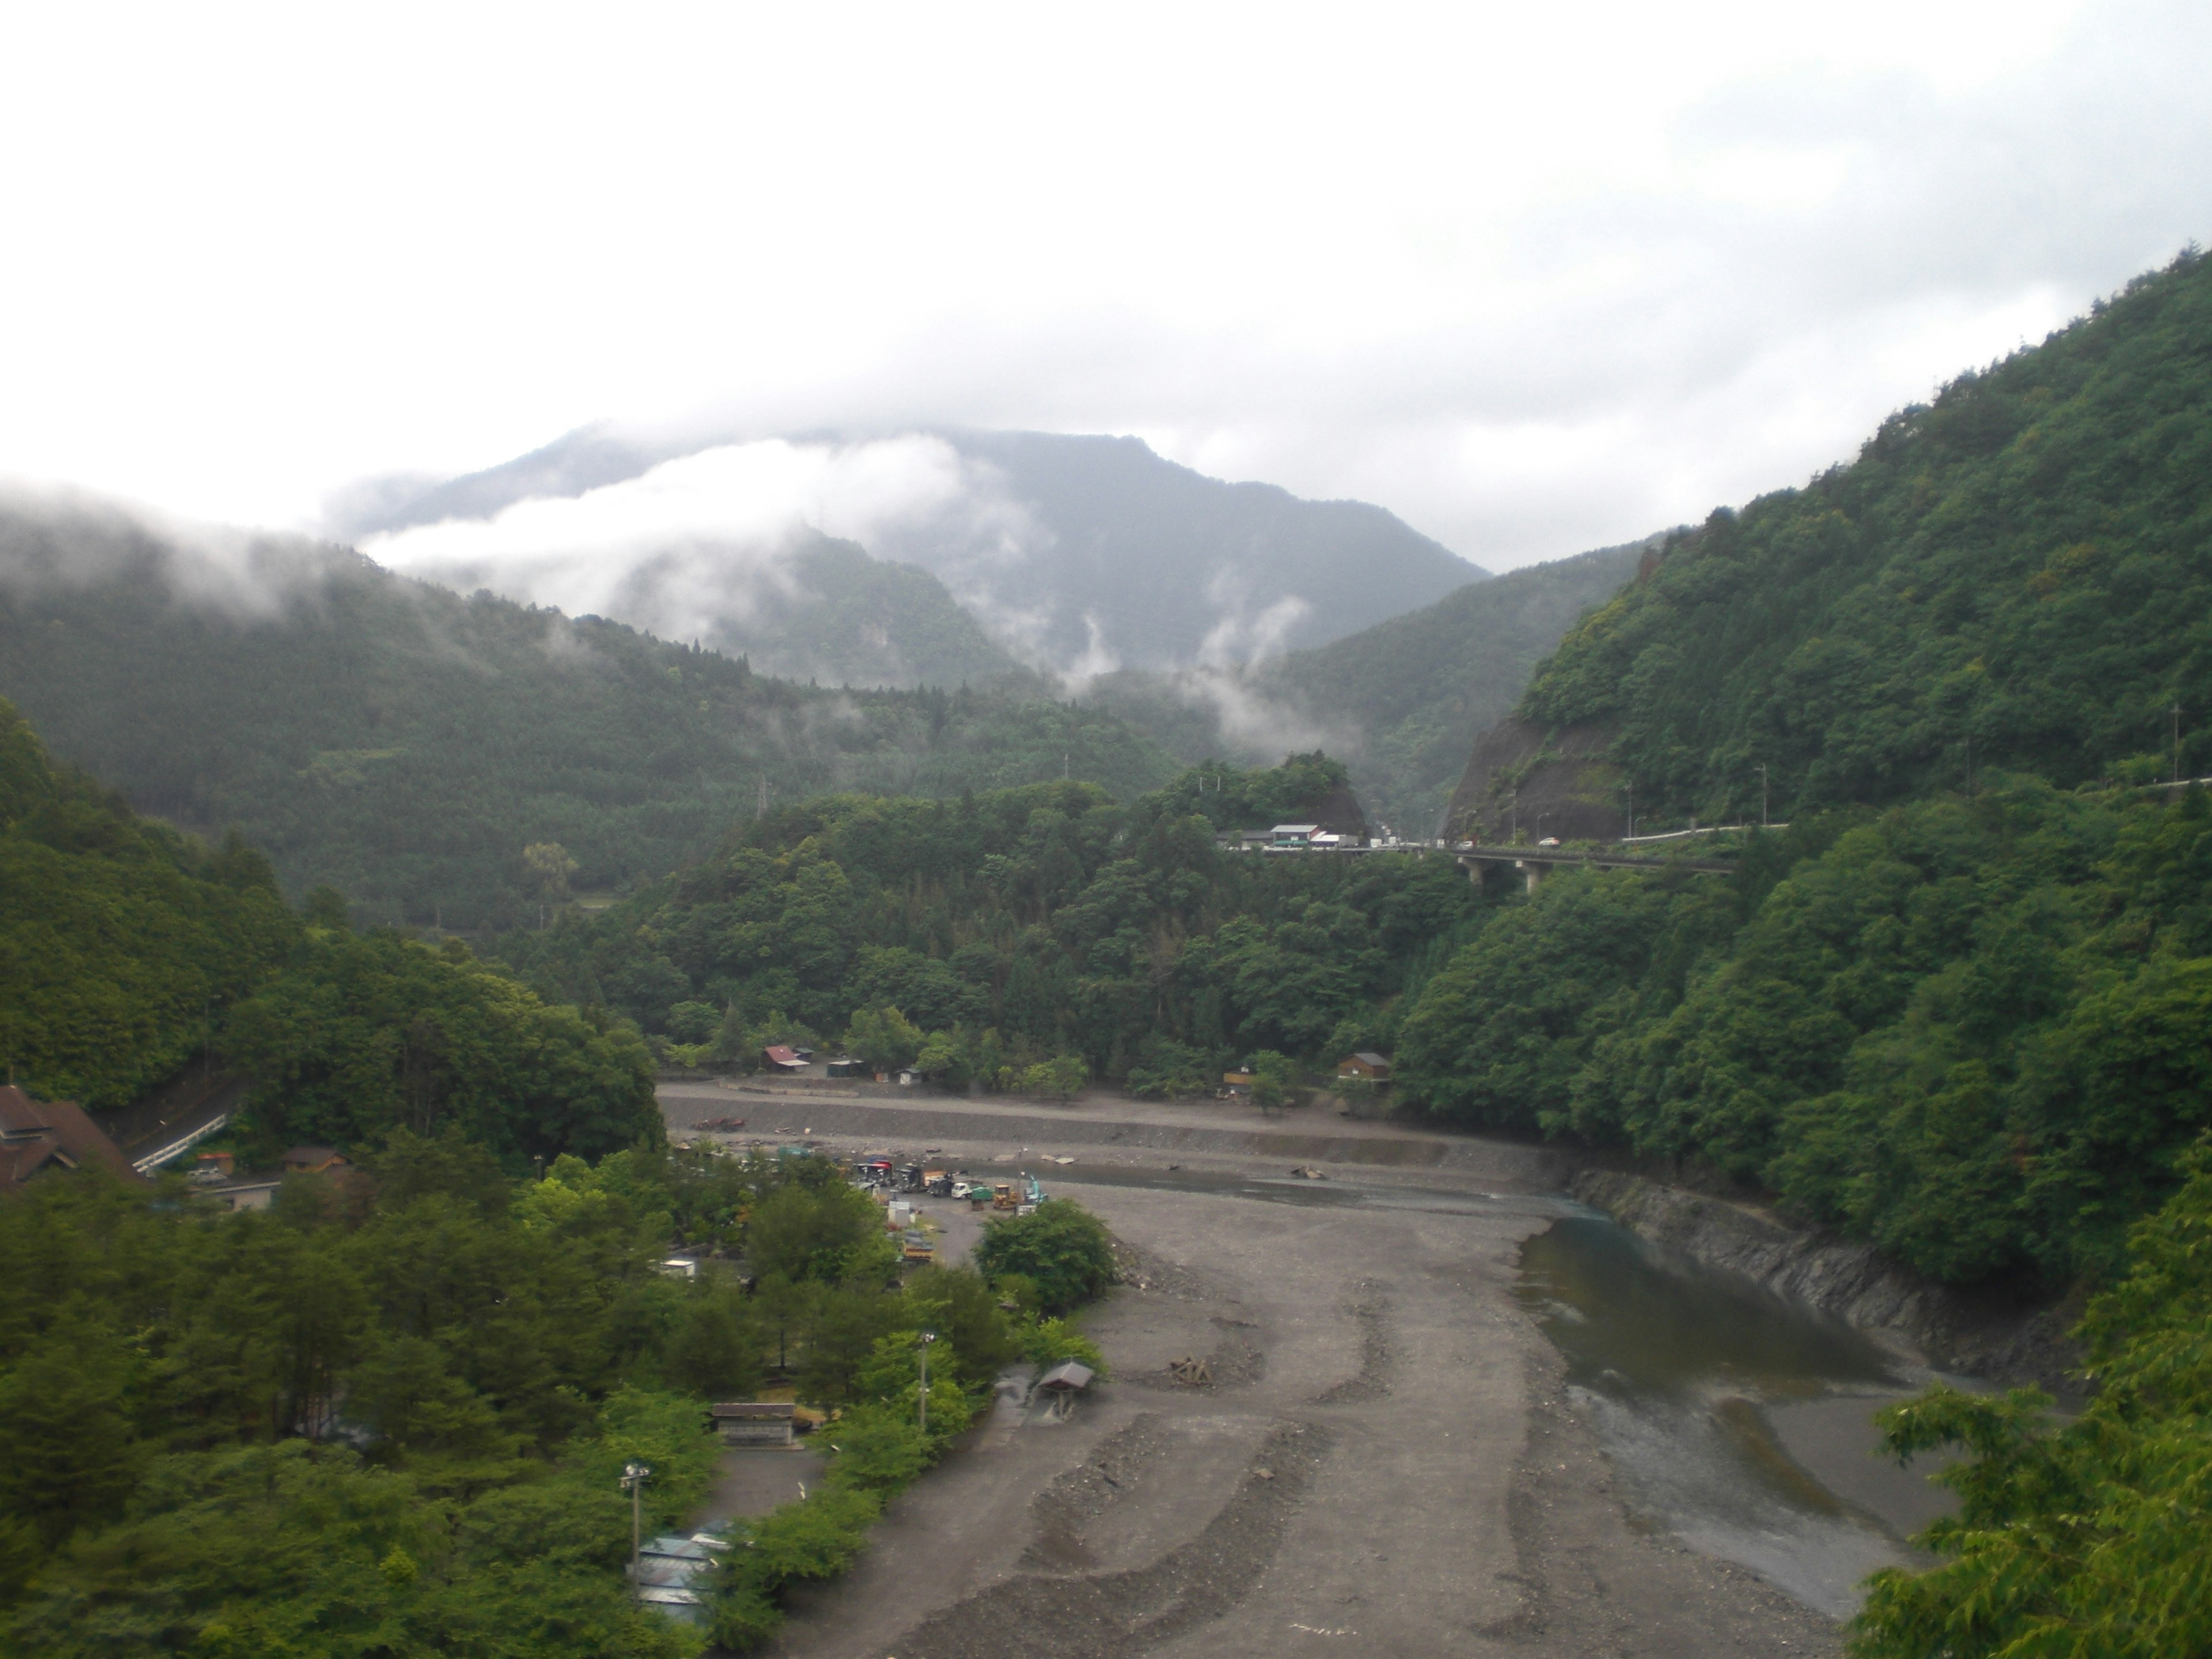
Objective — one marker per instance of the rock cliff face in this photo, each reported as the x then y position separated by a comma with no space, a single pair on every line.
2005,1340
1540,783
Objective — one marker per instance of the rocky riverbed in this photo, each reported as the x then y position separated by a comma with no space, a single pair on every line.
1385,1461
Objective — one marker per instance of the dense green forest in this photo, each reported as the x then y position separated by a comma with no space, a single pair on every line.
1400,700
2012,576
119,939
127,949
404,743
1973,1030
1013,927
389,1416
2086,1538
1970,1026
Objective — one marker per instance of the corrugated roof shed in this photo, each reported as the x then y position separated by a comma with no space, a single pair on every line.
1069,1376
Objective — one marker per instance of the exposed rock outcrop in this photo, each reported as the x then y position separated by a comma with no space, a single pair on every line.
2006,1339
1541,781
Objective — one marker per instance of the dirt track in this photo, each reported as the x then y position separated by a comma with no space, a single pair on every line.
1383,1464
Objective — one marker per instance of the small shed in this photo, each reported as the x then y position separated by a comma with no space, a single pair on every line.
1069,1377
1364,1064
754,1422
848,1068
313,1160
778,1058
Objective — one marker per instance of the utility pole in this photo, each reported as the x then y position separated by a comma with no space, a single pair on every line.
633,1479
927,1337
1762,794
1513,806
2176,712
1970,768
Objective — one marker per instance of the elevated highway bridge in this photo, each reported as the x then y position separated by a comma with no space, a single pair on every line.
1537,862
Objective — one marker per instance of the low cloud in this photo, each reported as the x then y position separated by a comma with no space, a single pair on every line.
708,540
56,538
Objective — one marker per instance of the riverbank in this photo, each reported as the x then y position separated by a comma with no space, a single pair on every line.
1387,1459
1999,1336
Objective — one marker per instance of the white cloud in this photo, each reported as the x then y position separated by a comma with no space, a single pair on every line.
1534,278
708,537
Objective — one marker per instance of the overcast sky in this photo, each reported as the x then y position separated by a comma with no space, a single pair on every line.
1534,277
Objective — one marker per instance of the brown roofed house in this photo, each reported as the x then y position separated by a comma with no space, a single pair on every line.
313,1160
40,1136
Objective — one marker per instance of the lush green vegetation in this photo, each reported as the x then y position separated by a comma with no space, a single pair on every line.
1062,1252
127,949
389,1415
2089,1537
121,942
360,1033
2012,576
405,744
1011,929
1971,1031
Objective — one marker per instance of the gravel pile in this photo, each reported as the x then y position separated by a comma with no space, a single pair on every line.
1064,1508
1370,1311
1119,1615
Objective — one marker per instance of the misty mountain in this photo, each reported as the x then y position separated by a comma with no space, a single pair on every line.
405,744
852,620
1401,701
1161,567
1075,553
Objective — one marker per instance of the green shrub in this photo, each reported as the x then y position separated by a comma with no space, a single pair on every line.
1059,1247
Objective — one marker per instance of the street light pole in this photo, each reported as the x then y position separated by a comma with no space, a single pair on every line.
927,1337
633,1479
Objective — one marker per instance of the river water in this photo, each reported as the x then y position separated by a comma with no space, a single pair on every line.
1740,1422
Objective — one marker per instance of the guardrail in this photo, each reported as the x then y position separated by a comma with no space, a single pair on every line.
178,1147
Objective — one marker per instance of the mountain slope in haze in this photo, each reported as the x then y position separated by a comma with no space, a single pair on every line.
1401,701
406,744
853,620
2017,577
1070,550
1163,566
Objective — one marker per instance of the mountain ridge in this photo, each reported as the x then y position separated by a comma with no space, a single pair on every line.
1068,548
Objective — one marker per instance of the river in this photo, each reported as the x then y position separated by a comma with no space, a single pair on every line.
1740,1422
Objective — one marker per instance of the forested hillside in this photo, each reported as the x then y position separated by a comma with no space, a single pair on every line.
988,935
390,1417
122,943
406,745
2014,576
1400,700
128,950
1961,1013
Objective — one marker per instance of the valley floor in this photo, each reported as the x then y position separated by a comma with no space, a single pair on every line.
1384,1462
